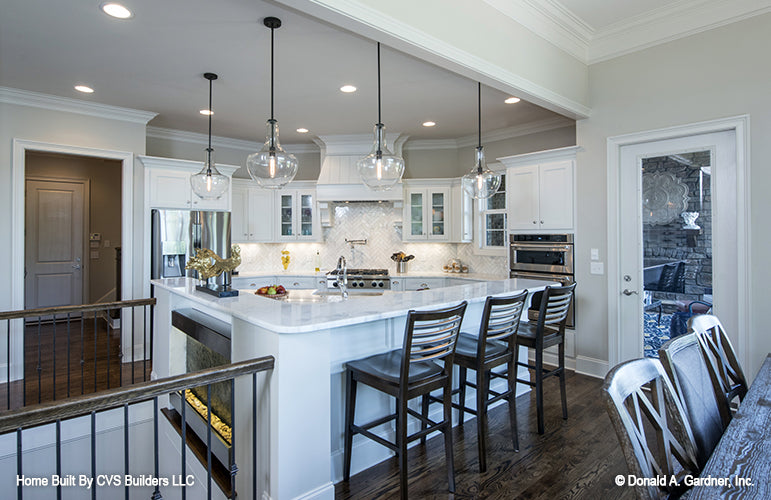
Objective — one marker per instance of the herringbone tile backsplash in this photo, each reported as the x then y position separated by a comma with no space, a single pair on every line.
374,222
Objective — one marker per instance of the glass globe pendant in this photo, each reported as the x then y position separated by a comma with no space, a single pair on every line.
481,182
380,170
209,183
272,167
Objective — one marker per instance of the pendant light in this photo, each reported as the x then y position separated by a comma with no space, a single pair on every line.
271,167
481,183
380,170
209,183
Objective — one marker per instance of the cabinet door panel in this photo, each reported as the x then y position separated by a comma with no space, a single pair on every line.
260,215
556,195
522,197
170,189
239,219
415,212
286,216
438,200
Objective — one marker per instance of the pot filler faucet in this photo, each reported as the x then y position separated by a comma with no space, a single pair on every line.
342,270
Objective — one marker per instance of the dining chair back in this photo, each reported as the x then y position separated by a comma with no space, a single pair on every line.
686,366
651,426
725,371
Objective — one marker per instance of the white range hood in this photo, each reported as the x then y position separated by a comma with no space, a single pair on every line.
339,179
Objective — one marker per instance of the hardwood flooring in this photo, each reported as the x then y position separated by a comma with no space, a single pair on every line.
575,458
58,350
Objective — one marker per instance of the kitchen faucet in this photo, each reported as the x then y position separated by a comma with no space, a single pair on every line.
342,267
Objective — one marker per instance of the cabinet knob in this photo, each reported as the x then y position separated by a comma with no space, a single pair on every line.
541,222
424,285
251,234
395,282
535,222
295,284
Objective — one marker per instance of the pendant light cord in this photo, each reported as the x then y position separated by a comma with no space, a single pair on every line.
209,150
379,120
479,123
271,73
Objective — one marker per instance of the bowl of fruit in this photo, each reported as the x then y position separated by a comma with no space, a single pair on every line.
272,291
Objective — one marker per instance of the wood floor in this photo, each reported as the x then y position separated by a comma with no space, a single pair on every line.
574,459
50,347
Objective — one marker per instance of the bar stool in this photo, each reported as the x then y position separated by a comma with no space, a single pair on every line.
538,336
405,374
493,346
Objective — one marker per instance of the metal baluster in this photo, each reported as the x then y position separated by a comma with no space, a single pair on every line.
109,337
8,361
68,354
23,362
152,310
208,442
95,347
184,444
157,493
93,453
126,444
82,354
144,344
233,466
59,457
254,436
132,344
54,356
39,366
19,492
120,347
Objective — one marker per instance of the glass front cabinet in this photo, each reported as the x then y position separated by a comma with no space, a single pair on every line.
425,214
297,215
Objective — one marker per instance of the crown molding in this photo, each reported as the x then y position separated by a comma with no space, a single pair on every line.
221,142
67,104
430,144
550,20
678,20
555,23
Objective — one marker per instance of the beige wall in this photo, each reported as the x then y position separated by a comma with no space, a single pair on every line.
104,211
60,127
719,73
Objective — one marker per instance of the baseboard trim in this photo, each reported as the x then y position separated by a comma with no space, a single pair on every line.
591,367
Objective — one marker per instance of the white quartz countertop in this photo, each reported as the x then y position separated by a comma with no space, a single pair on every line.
411,274
299,316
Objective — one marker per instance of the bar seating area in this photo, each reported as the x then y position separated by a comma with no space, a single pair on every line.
704,426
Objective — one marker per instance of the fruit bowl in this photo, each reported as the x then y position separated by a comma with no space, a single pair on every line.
272,291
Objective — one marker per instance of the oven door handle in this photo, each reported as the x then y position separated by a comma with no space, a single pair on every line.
543,248
565,280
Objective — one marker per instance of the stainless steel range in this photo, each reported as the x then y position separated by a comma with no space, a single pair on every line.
360,280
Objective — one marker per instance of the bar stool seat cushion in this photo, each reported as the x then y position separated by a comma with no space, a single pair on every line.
387,366
527,333
467,346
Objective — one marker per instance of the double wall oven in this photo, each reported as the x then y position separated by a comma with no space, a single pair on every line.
544,257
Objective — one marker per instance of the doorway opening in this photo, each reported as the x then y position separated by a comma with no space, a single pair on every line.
677,243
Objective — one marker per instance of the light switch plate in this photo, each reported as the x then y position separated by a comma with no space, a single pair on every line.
597,268
595,253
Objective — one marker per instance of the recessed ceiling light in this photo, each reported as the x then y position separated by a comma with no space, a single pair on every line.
84,89
429,124
116,10
302,130
347,89
512,100
206,112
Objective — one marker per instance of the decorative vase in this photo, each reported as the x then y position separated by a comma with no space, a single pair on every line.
690,220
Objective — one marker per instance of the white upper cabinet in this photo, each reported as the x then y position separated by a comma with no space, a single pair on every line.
426,213
253,213
167,183
297,215
540,190
461,214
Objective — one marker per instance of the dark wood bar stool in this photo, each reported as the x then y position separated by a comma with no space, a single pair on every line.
493,346
547,331
405,374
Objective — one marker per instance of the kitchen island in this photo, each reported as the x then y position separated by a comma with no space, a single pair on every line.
300,404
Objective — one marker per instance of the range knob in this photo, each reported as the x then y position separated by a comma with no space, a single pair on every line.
374,284
380,284
354,284
334,284
361,284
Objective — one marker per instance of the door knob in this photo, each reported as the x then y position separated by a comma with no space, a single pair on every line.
629,292
76,266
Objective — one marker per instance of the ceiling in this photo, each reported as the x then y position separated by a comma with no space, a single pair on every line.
155,61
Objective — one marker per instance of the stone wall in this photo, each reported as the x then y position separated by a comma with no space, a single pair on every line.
671,241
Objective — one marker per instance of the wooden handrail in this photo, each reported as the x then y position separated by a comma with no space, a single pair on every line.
46,413
104,306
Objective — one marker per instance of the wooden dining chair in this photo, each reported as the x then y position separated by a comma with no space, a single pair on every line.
686,366
547,331
493,346
725,371
405,374
651,426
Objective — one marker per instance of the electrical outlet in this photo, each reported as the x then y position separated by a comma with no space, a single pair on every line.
595,253
597,268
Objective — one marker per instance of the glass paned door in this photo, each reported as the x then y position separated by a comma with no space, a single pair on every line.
437,214
495,233
416,214
306,215
286,214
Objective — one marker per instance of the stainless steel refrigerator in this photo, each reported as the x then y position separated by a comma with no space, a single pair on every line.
177,234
